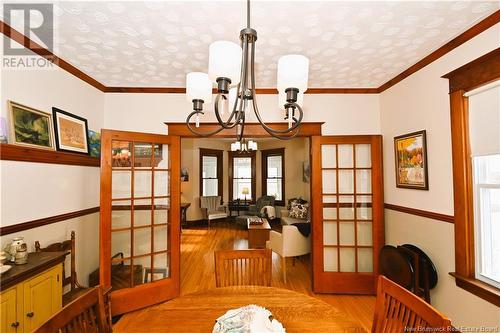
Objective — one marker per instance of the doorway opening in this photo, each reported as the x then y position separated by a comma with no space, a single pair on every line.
278,171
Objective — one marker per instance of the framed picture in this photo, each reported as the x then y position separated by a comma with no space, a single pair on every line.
71,132
155,274
30,127
184,175
94,143
306,172
411,161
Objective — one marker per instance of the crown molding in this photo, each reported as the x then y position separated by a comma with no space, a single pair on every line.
467,35
15,35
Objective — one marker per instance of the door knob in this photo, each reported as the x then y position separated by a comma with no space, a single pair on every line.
15,324
30,314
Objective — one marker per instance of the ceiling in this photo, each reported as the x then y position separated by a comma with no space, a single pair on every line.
349,43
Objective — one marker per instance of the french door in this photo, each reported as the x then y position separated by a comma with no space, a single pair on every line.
347,212
140,216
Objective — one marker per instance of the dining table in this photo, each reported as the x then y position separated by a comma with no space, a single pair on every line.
198,312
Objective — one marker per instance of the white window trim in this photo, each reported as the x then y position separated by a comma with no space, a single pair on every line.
480,243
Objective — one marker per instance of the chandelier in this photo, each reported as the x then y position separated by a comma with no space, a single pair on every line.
243,146
232,68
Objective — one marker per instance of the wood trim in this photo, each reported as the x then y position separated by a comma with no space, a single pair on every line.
472,75
231,155
254,130
476,73
467,35
260,91
46,220
219,154
421,213
44,53
264,155
30,154
478,288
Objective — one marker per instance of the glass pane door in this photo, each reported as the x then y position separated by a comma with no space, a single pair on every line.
143,223
140,213
343,213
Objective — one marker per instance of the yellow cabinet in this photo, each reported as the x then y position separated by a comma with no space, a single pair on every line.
8,312
42,298
30,303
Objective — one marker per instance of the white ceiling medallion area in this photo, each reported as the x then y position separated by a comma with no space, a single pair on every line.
349,43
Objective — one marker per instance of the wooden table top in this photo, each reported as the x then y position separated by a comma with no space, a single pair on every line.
198,312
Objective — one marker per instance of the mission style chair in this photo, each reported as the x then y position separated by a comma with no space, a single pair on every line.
399,310
86,314
76,288
243,268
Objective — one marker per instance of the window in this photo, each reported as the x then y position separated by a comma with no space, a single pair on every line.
273,174
242,176
487,218
210,172
475,136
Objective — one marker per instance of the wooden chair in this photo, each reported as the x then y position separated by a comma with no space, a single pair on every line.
399,310
243,268
76,289
86,314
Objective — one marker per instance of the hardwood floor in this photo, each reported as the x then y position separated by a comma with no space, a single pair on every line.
197,268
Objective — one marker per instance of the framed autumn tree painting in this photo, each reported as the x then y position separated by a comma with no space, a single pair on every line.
411,161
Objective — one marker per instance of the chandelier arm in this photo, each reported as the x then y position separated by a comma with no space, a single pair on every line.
225,124
196,132
239,135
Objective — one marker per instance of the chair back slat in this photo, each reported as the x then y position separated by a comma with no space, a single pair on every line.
398,310
65,246
86,314
243,268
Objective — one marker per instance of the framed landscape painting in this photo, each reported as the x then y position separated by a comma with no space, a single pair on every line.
71,132
30,127
411,161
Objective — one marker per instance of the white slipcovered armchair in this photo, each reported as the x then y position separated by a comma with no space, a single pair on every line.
212,209
289,243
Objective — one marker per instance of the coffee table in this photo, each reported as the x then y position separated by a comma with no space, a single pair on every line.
258,234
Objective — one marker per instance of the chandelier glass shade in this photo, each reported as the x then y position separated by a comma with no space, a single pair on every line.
244,146
232,68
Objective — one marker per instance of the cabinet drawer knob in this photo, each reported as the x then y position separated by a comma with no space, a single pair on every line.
15,324
30,314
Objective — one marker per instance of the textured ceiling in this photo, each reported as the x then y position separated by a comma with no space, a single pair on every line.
349,43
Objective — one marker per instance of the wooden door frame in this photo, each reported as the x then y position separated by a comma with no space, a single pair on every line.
149,291
308,130
322,281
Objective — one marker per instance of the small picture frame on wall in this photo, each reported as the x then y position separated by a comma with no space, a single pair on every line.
71,132
30,127
184,175
411,161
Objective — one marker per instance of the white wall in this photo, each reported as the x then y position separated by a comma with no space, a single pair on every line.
421,101
36,190
342,113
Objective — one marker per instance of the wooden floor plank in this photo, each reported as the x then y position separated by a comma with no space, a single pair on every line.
198,271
